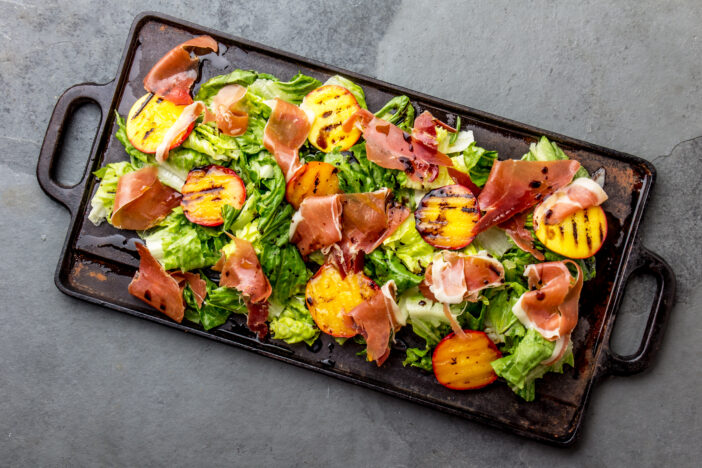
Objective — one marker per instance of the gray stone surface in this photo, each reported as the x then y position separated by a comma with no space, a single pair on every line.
80,385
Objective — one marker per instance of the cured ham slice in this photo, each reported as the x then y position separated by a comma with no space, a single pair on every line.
454,277
141,200
369,218
516,230
580,194
197,284
515,186
551,305
153,285
285,132
464,179
231,119
390,147
425,145
173,76
184,120
242,271
317,224
375,320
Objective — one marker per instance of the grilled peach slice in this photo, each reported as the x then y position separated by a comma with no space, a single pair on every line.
207,190
148,121
463,363
445,217
332,105
330,297
580,235
315,178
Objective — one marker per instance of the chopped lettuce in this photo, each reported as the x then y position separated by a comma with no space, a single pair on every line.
409,246
218,305
477,162
501,325
179,244
521,368
211,87
494,240
353,88
383,265
292,91
545,150
418,357
398,111
104,199
292,322
206,138
285,269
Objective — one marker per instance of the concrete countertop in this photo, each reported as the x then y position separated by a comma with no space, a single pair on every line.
81,385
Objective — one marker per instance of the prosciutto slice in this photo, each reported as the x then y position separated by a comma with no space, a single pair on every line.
551,305
369,218
515,186
580,194
197,284
317,223
285,132
184,120
516,230
231,119
425,145
390,147
153,285
141,200
455,277
375,319
242,271
173,76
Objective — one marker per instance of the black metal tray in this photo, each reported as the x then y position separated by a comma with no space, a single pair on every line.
97,263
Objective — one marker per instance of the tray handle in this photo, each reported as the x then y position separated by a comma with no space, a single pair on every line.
652,263
100,94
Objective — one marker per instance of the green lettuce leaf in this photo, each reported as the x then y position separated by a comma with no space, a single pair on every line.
293,323
477,162
353,88
179,244
206,138
418,357
409,246
517,368
292,91
382,265
218,305
398,111
545,150
103,201
211,87
501,325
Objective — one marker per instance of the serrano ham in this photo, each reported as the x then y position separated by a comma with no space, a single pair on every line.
551,305
390,147
516,230
455,277
515,186
317,224
580,194
369,218
141,200
231,119
375,320
173,76
184,120
153,285
425,145
242,271
197,284
285,132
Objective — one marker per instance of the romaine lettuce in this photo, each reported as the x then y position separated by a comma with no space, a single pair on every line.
292,322
292,91
179,244
353,88
382,265
104,199
211,87
398,111
409,246
219,304
545,150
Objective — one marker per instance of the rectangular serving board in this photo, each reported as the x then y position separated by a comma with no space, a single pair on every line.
97,263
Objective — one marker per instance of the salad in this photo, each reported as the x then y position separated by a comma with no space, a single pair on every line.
294,204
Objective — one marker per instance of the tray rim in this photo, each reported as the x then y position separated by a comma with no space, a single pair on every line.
629,246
